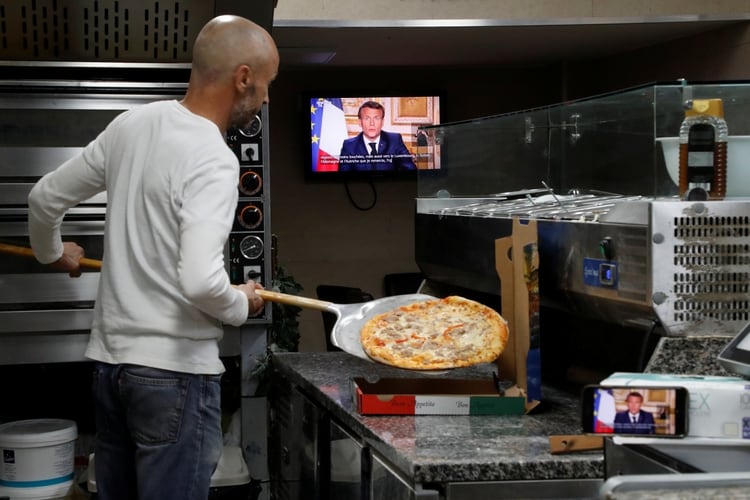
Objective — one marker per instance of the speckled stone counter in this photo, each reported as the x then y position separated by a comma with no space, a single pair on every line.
433,449
688,356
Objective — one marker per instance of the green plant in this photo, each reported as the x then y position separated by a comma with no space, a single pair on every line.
283,334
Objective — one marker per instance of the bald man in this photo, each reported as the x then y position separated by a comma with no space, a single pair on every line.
171,184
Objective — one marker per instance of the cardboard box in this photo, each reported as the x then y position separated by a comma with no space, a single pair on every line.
719,406
517,264
435,396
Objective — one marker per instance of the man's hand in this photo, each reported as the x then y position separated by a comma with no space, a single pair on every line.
70,261
255,303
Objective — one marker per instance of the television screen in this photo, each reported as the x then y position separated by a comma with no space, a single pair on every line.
366,137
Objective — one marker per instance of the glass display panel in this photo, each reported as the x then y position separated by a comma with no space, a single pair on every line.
619,143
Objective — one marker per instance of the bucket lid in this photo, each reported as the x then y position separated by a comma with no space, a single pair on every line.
25,433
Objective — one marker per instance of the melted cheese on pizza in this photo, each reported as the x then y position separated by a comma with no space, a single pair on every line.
436,334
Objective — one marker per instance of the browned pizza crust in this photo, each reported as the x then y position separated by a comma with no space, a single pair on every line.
436,334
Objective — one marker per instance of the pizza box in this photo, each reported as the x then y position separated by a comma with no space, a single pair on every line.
436,396
517,265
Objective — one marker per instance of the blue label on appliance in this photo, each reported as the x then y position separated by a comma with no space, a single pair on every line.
601,273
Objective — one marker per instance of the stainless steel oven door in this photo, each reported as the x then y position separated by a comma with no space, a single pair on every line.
44,123
35,298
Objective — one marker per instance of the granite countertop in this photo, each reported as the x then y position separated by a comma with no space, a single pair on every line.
441,448
689,356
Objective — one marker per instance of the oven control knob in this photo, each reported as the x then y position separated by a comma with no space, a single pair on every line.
606,247
250,183
250,216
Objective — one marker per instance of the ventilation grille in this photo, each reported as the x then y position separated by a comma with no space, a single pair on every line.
101,30
712,227
717,288
706,285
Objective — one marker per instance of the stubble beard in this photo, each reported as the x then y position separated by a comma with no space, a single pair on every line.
244,111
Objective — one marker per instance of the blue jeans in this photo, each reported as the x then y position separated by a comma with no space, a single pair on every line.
158,433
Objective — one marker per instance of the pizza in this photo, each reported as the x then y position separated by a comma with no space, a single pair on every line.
436,334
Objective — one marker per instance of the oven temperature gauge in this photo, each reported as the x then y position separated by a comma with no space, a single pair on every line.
251,247
253,128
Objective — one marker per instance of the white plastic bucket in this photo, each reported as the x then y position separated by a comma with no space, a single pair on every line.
54,492
38,457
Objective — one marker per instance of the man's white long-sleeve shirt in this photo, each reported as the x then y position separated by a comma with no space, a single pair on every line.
171,184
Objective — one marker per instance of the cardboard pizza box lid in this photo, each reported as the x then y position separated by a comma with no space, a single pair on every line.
517,265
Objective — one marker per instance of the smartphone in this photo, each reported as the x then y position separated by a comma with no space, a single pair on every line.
635,411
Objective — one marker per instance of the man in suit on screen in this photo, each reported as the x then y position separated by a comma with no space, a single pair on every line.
634,420
374,149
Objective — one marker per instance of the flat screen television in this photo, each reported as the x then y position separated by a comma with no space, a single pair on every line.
365,137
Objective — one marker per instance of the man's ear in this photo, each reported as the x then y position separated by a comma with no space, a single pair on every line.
243,78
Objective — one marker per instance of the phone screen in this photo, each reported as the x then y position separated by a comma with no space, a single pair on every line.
635,411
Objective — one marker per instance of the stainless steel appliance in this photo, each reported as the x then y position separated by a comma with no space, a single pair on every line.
622,259
680,468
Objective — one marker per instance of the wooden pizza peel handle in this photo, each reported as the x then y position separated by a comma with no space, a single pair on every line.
294,300
282,298
28,252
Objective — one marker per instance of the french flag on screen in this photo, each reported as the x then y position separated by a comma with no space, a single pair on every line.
604,411
328,125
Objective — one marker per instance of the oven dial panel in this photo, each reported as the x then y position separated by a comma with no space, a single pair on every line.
247,256
248,246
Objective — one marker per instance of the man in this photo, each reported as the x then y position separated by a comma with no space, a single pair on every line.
374,148
634,420
171,184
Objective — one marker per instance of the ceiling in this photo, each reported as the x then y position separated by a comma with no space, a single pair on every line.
474,43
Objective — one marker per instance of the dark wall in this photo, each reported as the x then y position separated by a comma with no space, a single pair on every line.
722,54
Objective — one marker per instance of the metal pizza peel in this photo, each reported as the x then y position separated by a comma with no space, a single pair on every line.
350,318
